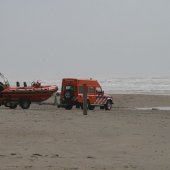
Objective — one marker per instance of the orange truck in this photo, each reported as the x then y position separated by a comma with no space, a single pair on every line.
72,94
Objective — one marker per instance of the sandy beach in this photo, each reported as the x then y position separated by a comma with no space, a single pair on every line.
47,138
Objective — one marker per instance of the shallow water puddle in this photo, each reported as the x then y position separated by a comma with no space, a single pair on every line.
154,108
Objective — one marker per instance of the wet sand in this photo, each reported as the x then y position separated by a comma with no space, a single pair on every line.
48,138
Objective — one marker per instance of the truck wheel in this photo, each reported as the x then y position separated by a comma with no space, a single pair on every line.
68,107
108,105
13,106
25,104
91,107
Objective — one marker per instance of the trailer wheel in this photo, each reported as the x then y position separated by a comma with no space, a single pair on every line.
25,104
6,104
13,106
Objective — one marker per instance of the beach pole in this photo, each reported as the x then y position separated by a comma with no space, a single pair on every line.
85,99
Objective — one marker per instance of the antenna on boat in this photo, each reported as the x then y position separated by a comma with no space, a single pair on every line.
5,80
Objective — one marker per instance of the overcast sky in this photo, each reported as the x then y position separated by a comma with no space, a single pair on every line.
48,39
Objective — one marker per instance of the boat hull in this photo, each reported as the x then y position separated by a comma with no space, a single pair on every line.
30,93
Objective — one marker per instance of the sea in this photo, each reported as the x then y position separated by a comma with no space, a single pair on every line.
132,85
137,85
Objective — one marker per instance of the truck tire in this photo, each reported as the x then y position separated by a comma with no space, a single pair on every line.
25,104
91,107
108,105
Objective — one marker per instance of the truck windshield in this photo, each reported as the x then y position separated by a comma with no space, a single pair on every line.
99,90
